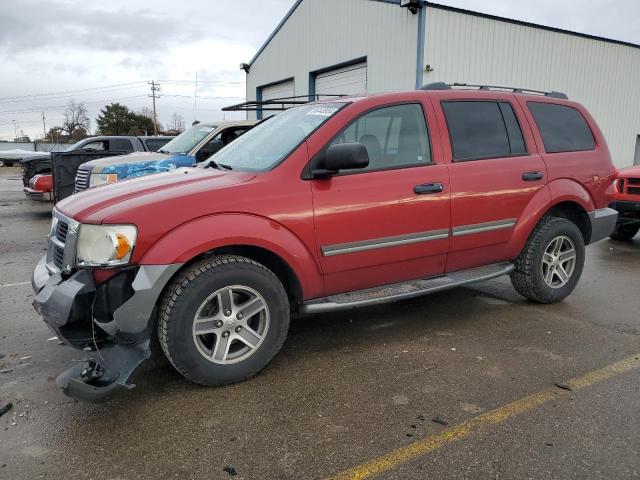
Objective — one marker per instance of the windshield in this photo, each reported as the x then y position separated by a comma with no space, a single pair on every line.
188,139
268,143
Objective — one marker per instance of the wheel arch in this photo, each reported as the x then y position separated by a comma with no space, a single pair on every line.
575,213
261,239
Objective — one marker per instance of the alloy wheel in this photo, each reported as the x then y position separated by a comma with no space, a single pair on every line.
231,324
559,261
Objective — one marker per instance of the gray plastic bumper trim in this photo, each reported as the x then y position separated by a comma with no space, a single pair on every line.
133,316
603,221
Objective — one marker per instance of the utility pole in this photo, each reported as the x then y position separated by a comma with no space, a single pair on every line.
44,128
195,100
15,130
154,88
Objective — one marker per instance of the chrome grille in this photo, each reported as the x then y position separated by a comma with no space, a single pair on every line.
82,179
61,245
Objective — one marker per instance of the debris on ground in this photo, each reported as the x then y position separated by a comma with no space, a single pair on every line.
2,355
6,370
439,420
563,386
421,418
549,444
230,470
25,358
52,339
6,408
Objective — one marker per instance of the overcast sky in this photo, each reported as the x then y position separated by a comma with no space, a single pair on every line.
97,52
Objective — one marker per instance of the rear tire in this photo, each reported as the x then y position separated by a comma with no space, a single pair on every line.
625,232
223,319
551,262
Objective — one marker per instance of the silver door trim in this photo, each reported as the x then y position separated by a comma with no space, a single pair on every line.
483,227
384,242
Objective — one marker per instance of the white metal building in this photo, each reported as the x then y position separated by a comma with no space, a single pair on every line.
357,46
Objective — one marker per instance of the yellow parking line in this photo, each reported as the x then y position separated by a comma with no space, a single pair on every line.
466,428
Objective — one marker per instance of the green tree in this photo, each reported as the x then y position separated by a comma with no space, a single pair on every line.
117,119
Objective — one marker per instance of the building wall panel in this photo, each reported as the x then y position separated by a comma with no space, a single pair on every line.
323,33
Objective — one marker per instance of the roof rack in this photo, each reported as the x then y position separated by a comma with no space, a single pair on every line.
278,104
449,86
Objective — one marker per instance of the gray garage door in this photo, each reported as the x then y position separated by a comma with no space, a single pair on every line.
278,90
345,80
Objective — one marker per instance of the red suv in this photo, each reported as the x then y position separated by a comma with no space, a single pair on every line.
329,205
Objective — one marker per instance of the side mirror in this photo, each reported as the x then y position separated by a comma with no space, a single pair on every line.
343,156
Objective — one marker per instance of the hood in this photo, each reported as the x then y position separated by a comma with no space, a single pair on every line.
130,199
629,172
36,159
99,164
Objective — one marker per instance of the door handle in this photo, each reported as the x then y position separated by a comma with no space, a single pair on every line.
426,188
532,176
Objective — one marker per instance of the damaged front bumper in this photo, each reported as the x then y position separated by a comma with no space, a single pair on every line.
111,323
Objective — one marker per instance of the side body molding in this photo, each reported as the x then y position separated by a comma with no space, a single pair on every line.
215,231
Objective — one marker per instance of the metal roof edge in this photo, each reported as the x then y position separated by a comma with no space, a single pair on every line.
463,11
524,23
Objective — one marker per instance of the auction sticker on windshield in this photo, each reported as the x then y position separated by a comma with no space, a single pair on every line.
324,111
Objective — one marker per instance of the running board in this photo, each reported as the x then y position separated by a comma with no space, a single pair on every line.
403,290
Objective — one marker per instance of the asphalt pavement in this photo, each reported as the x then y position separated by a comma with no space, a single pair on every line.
518,390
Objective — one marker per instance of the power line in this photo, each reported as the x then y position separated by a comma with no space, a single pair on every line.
39,99
104,87
58,107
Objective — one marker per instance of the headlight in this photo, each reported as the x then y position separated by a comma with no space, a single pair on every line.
102,179
105,245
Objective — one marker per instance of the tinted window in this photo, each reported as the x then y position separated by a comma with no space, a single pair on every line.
121,145
563,129
393,136
483,130
155,144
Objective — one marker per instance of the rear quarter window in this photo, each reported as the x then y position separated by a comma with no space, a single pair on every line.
562,128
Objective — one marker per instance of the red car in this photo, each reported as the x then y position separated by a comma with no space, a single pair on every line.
627,203
337,204
40,188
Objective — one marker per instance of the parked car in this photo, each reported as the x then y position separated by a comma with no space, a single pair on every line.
330,205
36,169
627,203
190,147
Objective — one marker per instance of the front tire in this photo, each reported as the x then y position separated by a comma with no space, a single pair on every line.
223,319
625,232
551,263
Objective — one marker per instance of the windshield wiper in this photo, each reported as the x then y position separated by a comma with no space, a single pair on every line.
219,166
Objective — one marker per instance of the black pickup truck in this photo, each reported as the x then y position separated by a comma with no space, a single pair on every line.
94,147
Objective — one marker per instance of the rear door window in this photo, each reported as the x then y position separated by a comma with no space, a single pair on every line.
121,145
562,128
483,129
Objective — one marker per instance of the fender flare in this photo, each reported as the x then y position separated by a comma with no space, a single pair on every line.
203,234
555,192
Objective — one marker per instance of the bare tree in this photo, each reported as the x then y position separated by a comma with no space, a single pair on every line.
75,118
146,112
177,122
